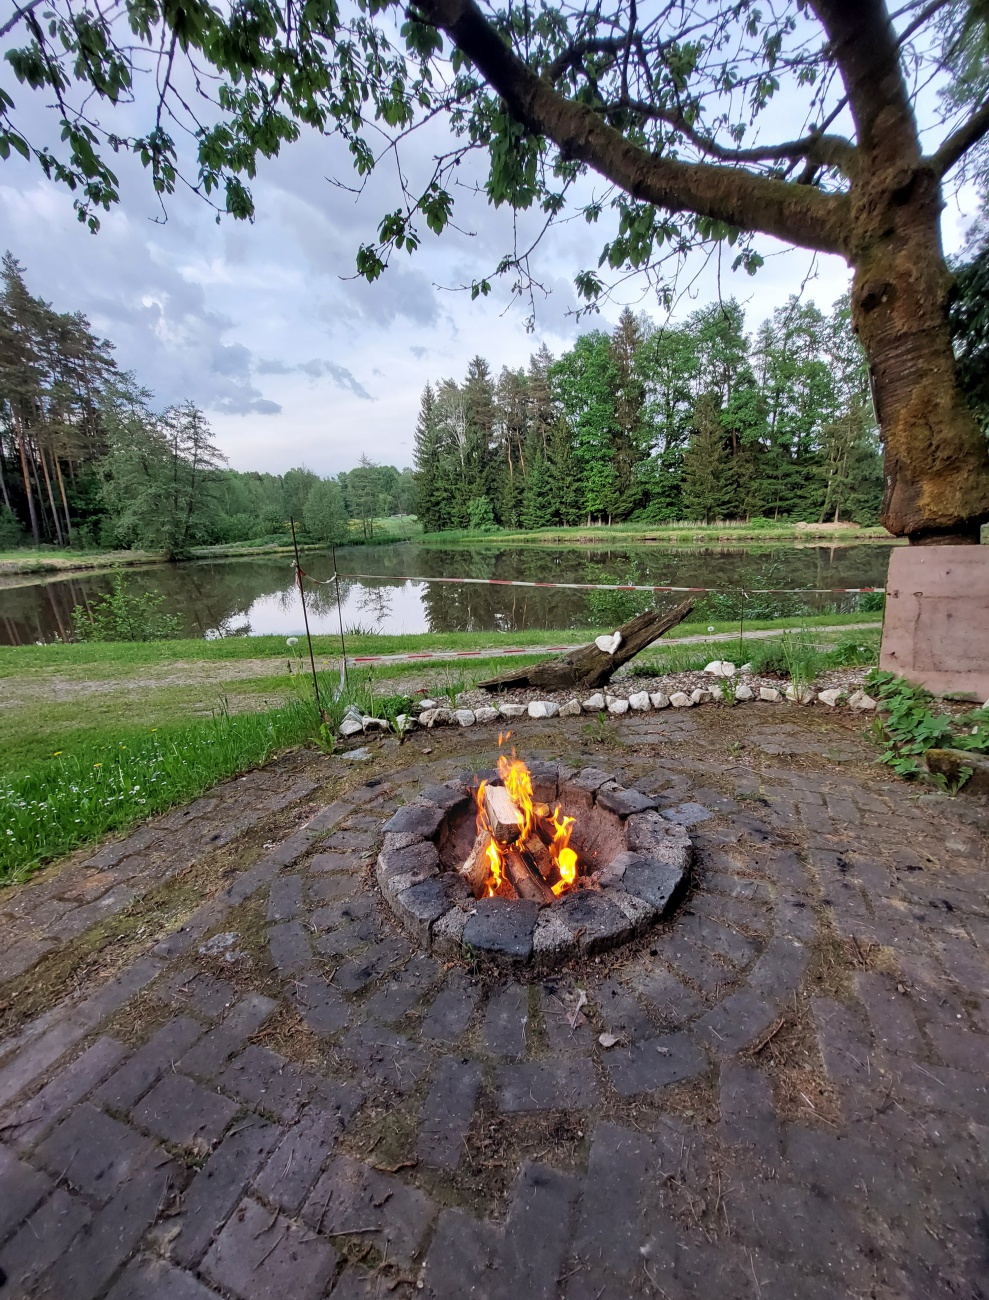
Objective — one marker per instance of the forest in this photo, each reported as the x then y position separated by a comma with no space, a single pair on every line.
87,462
698,421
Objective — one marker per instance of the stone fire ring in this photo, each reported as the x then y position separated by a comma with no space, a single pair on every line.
640,861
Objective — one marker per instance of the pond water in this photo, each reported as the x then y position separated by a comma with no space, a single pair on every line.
252,597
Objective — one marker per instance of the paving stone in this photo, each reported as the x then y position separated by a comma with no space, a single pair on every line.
503,931
95,1254
386,1057
20,957
289,945
184,1113
833,1162
264,1256
961,1047
671,1000
359,972
219,1185
696,965
30,1121
893,1022
154,1279
734,912
688,814
736,1023
537,1231
352,1196
404,990
323,1009
546,1085
95,1153
269,1082
450,1011
462,1259
654,1063
288,1177
848,1055
197,991
622,1220
748,1115
285,898
730,945
46,1235
737,886
206,1058
447,1113
566,1036
779,970
347,863
148,1063
506,1018
22,1186
331,888
347,913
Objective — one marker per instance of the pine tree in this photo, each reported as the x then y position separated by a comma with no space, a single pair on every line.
631,436
708,481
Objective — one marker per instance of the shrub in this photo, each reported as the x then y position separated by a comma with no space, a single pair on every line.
120,616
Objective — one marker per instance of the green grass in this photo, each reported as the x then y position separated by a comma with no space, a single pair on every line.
683,533
103,785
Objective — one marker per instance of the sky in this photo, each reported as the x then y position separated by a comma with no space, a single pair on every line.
293,359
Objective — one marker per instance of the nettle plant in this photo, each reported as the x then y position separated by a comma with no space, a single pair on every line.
910,726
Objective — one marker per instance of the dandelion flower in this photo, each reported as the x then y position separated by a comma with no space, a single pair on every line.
292,640
57,753
710,629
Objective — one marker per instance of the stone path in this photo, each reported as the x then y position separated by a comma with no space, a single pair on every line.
248,1083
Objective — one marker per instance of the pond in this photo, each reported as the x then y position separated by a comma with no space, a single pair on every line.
255,596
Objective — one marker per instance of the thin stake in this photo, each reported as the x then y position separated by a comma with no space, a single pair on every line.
741,630
343,644
305,616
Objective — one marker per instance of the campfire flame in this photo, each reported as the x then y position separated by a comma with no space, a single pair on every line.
517,780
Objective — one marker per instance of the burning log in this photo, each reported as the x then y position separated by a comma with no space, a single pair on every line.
504,818
536,850
525,879
477,868
589,666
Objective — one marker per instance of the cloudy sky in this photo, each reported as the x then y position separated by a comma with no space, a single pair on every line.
264,326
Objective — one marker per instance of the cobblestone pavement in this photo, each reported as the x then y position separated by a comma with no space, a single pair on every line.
245,1081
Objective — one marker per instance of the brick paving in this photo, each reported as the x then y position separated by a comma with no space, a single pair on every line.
281,1096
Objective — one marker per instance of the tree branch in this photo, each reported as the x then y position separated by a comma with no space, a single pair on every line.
960,141
799,215
17,15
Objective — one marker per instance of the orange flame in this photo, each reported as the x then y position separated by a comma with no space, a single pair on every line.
518,782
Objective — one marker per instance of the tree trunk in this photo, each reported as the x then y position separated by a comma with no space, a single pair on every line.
588,667
27,489
936,456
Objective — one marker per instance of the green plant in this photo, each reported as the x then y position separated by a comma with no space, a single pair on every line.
120,616
800,659
601,732
729,685
910,727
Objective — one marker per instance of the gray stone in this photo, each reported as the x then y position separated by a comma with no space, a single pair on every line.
659,700
506,1020
572,709
485,714
184,1113
357,973
688,814
552,939
448,932
425,903
655,883
502,928
416,819
680,700
512,710
360,755
400,868
736,1023
449,796
464,717
435,717
352,1197
744,692
451,1010
447,1113
861,702
637,911
623,802
639,701
595,923
543,709
651,833
617,706
263,1256
351,727
547,1085
831,698
770,694
594,703
701,696
654,1063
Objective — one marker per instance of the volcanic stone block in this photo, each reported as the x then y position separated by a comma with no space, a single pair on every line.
594,922
400,868
415,819
623,802
421,905
502,931
655,883
653,834
451,798
579,790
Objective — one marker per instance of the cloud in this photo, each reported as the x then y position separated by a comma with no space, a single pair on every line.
318,369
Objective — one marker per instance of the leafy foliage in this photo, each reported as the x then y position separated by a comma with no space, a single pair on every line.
911,727
125,616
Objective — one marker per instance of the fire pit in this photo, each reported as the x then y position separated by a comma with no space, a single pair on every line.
531,863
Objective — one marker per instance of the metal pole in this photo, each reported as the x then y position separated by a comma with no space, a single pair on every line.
343,644
305,615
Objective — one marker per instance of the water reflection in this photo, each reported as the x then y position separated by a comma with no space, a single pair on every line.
259,596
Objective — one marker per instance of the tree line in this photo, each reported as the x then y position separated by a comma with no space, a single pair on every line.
86,460
700,421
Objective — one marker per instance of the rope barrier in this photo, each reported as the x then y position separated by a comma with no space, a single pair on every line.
602,586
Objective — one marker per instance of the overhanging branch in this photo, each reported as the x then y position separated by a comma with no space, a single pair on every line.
796,214
960,141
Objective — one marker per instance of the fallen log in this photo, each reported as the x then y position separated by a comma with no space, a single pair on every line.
526,880
588,666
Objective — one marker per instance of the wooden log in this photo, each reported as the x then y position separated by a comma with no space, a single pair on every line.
537,852
526,880
477,868
587,666
504,818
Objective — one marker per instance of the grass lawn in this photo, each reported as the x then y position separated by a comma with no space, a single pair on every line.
682,534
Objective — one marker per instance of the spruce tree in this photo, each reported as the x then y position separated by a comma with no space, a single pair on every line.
708,482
